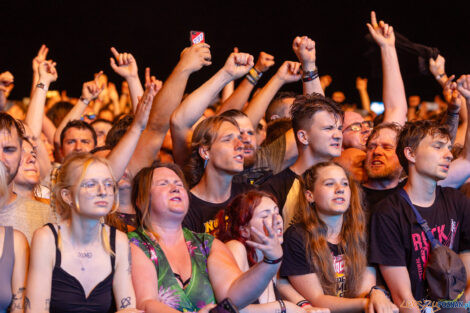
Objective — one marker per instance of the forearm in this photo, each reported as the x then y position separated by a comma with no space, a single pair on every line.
394,97
74,114
227,91
313,86
271,307
338,304
135,90
154,306
452,122
35,113
192,108
48,129
121,154
167,99
35,82
43,160
365,100
258,105
238,98
251,284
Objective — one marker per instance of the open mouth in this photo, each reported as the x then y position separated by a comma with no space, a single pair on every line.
339,200
176,199
247,151
377,163
239,158
445,167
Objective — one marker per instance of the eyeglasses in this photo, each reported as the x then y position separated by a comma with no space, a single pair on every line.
357,127
92,187
88,116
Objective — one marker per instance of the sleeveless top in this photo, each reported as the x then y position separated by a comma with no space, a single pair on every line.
198,290
67,293
6,269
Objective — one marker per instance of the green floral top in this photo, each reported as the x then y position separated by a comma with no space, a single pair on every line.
198,292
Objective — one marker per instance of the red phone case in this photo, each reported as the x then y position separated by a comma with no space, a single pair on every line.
196,37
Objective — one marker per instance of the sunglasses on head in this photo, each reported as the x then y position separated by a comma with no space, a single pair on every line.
88,116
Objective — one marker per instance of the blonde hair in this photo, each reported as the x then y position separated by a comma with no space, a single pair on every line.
3,185
66,179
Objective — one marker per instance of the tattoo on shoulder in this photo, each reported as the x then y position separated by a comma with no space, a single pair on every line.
17,299
125,302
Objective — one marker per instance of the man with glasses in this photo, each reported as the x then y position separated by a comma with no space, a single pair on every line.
355,131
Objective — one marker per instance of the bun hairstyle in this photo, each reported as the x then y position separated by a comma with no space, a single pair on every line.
70,177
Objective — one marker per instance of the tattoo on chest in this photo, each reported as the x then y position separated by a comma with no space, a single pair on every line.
85,255
125,302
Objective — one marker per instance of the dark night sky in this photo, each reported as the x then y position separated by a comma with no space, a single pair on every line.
79,34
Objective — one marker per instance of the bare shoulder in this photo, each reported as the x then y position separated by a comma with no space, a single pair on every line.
236,247
19,240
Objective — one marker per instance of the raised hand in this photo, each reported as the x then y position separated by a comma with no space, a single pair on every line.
193,58
463,86
304,49
437,66
268,244
39,58
381,32
92,89
142,110
47,72
289,72
264,62
126,65
448,88
361,83
6,80
238,64
151,81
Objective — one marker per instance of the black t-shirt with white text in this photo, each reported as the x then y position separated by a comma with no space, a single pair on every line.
295,260
201,214
396,238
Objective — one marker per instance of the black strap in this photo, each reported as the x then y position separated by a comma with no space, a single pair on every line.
57,251
112,242
421,221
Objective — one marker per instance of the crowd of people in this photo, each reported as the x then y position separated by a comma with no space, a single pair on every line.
153,200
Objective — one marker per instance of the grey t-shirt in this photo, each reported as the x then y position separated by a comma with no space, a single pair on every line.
26,215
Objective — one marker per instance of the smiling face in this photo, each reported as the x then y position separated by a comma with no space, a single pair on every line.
226,152
266,211
169,199
325,136
331,191
95,192
432,157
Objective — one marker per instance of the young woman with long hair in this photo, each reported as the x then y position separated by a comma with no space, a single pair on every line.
246,215
326,248
80,264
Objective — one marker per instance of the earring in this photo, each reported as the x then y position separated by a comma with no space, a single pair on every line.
102,221
205,162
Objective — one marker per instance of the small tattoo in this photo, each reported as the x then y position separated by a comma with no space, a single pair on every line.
48,304
27,303
87,255
125,302
17,299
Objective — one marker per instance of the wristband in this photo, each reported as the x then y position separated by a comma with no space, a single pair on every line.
269,261
253,76
42,86
452,114
310,75
381,289
282,305
85,100
303,303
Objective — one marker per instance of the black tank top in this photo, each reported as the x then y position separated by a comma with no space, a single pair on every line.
67,294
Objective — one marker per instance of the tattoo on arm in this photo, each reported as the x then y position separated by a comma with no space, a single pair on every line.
125,302
17,299
48,304
27,303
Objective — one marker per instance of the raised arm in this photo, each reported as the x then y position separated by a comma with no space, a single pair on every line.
90,92
240,96
437,68
123,151
126,67
38,59
193,106
394,97
304,49
192,59
35,112
288,72
361,86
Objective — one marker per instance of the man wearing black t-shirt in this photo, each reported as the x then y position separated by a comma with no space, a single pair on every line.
317,123
397,242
